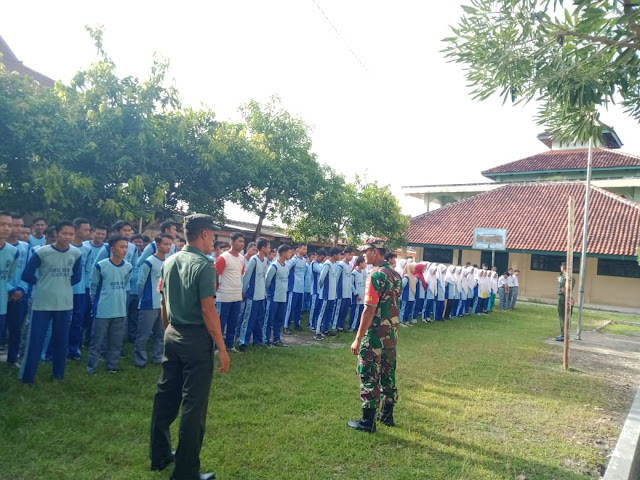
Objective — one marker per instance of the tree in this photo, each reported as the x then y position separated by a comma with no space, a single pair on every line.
570,59
283,173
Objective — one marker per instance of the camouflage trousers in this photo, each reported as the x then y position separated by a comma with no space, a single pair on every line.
377,366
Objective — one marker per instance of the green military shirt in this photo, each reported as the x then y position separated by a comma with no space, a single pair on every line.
186,278
562,282
383,290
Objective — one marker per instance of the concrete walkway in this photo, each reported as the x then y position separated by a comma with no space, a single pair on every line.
606,344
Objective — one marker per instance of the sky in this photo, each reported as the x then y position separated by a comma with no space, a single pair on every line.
379,96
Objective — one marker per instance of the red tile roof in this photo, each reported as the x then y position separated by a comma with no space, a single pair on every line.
535,216
566,160
12,64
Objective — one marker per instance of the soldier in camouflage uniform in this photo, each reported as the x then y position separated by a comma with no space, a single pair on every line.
375,342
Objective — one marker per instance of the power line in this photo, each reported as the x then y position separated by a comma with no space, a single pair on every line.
340,35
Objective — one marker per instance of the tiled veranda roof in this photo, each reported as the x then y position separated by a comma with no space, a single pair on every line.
535,216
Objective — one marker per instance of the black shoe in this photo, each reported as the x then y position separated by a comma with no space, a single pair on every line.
299,328
386,415
560,339
367,423
287,331
203,476
329,334
158,466
340,330
242,348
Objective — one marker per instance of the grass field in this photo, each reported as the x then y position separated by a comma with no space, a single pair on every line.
480,398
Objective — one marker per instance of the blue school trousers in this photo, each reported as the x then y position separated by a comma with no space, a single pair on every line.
16,312
406,310
252,322
355,320
342,310
293,307
229,314
428,310
324,316
274,319
314,310
40,321
77,320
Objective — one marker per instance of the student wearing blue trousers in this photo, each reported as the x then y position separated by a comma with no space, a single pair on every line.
254,292
428,312
9,258
53,270
421,286
440,297
80,294
327,282
359,276
276,283
295,289
344,290
316,300
408,297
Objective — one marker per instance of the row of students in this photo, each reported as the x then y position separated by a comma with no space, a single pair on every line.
437,292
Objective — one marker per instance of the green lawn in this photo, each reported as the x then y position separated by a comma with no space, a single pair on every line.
626,328
480,398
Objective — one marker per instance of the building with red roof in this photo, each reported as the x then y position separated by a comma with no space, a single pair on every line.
528,199
12,64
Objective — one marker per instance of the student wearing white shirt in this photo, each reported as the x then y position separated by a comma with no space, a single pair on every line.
503,290
514,289
230,267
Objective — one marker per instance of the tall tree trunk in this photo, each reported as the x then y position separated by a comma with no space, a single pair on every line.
261,216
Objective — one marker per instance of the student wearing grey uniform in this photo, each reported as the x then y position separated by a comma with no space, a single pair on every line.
80,293
53,270
149,320
9,256
108,290
94,247
276,282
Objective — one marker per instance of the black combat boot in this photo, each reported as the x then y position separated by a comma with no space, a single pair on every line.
367,423
386,415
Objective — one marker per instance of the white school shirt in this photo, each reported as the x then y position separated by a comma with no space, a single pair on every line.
515,280
510,281
230,269
502,281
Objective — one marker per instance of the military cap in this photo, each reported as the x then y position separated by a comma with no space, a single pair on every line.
372,243
199,221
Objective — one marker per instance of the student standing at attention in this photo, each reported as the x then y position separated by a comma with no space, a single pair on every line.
109,293
149,319
295,294
344,290
37,238
80,294
359,283
276,283
53,270
9,256
254,293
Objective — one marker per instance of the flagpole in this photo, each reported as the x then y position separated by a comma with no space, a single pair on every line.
585,238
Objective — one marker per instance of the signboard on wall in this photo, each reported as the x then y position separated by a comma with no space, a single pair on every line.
489,239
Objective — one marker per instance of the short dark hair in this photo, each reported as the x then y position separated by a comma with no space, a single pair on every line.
119,225
136,237
4,213
159,238
262,242
467,264
145,238
50,231
334,251
217,244
389,256
180,239
485,265
475,265
99,227
516,270
80,221
507,274
224,245
16,216
359,260
166,225
64,223
322,252
348,250
284,248
40,219
251,244
115,239
236,235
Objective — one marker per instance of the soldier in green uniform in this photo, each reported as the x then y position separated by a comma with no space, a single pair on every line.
191,322
562,283
375,342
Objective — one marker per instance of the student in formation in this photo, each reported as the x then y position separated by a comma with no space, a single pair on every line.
180,243
166,228
80,294
449,290
473,287
462,287
327,283
359,275
428,312
344,292
93,247
511,282
514,289
408,297
421,290
493,277
316,297
133,313
230,269
26,234
53,270
18,292
253,291
9,258
276,282
37,238
271,257
440,297
109,282
149,319
503,290
308,284
295,289
484,287
146,241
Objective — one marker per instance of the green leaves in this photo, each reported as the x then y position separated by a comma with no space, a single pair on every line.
573,60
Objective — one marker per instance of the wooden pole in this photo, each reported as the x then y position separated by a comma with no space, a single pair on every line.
568,281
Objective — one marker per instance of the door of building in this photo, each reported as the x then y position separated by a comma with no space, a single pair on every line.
501,260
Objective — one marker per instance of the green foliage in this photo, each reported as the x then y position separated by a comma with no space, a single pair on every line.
572,59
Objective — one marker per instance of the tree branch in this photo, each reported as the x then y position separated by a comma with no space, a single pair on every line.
601,40
635,28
